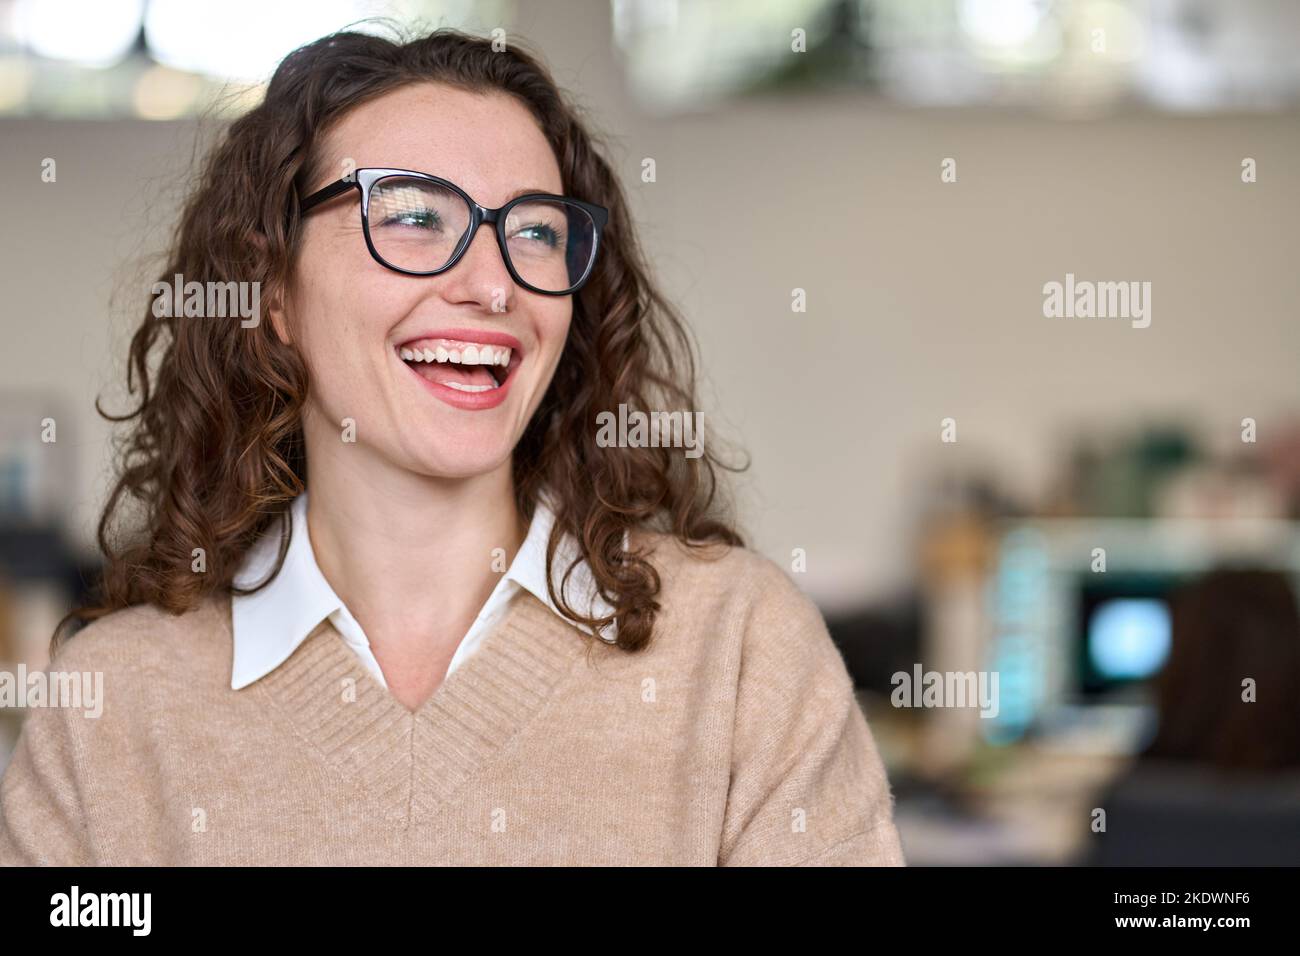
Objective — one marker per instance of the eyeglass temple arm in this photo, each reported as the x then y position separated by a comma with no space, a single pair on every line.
326,194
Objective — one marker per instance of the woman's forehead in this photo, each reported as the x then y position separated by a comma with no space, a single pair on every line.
489,144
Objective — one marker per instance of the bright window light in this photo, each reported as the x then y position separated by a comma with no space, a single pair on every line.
95,34
242,39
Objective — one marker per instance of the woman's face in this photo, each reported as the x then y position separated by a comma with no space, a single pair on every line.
358,324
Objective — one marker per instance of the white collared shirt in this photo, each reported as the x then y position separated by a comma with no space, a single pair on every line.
269,624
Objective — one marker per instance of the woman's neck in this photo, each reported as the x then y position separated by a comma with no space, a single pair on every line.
413,558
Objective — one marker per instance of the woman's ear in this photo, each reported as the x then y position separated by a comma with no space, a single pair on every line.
279,315
276,301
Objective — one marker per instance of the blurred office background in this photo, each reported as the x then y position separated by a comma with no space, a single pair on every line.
1100,138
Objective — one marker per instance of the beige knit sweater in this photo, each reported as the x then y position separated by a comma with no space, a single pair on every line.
734,739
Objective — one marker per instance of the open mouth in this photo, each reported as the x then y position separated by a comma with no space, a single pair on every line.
461,365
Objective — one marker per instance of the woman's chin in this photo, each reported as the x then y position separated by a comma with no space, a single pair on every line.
449,460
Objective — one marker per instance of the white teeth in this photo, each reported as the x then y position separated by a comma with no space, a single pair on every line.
470,355
467,388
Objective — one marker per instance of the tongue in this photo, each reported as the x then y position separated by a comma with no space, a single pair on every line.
443,372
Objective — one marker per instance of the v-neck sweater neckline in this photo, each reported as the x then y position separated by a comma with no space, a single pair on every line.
409,763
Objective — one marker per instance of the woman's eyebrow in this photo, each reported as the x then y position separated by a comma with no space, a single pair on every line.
530,189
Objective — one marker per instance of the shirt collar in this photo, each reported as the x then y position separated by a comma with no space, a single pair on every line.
269,624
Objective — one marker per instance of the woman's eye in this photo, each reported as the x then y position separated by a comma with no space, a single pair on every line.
540,233
419,218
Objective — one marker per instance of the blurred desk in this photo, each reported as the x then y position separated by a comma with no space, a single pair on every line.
1024,804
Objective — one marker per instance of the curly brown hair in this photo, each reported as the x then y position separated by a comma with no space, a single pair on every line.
215,450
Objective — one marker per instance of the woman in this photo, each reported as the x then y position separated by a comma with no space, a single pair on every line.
391,601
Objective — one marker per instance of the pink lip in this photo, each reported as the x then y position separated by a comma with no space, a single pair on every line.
470,401
481,336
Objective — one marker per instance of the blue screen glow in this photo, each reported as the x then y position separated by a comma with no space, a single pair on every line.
1128,638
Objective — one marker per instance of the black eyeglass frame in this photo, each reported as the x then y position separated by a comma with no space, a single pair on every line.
365,179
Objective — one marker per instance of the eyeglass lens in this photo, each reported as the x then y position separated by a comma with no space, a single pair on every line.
416,225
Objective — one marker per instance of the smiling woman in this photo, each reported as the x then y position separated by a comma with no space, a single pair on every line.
486,635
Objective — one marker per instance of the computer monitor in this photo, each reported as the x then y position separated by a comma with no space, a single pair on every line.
1078,647
1124,632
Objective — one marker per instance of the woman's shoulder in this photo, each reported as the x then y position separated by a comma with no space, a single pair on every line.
714,565
732,604
141,637
734,582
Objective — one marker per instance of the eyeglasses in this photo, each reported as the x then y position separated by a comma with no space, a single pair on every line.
421,225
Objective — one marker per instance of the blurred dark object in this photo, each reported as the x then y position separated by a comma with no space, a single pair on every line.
1123,480
878,641
39,552
1175,813
1219,783
1229,627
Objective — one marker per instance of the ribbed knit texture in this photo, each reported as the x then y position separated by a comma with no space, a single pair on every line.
733,739
411,763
